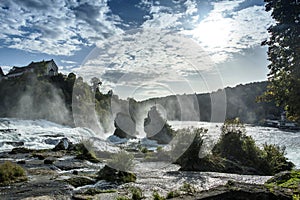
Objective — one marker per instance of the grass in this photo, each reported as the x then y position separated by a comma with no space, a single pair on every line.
11,173
156,196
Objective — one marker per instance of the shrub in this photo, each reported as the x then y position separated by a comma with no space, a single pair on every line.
236,146
122,161
188,188
273,157
156,196
10,173
136,193
188,144
172,194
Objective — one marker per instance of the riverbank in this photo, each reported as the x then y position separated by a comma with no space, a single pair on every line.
61,175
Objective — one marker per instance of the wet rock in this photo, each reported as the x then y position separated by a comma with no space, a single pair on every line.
241,191
39,156
52,141
83,153
49,160
62,145
15,144
280,177
70,164
80,181
21,162
110,174
36,189
125,126
157,128
19,150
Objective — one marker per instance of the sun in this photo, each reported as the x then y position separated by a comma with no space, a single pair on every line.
214,32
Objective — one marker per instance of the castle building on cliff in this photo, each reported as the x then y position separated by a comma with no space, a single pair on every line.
43,68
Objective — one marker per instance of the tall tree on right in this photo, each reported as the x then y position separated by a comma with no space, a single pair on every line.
284,55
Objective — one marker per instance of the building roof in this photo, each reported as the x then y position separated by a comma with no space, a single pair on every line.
32,65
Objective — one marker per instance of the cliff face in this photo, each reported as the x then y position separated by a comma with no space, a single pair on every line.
157,128
29,97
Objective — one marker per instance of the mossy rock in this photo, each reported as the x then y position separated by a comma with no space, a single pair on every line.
110,174
11,173
285,180
84,154
80,181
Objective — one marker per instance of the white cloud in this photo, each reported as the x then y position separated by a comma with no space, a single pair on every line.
145,57
224,31
59,28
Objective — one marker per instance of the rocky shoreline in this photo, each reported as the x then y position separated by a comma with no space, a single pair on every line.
60,173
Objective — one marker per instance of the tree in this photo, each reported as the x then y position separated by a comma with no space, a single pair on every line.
95,83
284,55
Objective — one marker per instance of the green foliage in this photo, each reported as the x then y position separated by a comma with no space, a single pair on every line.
172,194
156,196
287,180
187,143
236,146
284,55
274,158
188,188
10,173
144,150
122,198
137,193
122,161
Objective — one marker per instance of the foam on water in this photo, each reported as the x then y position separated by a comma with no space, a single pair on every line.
42,134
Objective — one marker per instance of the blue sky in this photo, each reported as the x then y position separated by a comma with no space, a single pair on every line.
140,48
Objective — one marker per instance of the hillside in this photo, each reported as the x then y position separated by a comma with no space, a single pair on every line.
239,101
52,98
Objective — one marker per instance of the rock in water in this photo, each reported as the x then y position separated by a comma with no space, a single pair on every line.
110,174
62,145
125,126
157,128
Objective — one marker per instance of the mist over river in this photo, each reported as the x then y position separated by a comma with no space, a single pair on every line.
41,134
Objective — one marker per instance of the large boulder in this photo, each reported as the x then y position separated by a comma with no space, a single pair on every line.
238,191
125,126
112,175
157,128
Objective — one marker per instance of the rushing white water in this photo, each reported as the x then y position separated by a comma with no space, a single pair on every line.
41,134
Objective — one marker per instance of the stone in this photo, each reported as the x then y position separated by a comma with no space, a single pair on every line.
62,145
125,126
157,128
110,174
79,181
49,160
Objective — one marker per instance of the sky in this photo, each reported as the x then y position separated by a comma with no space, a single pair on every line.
141,48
